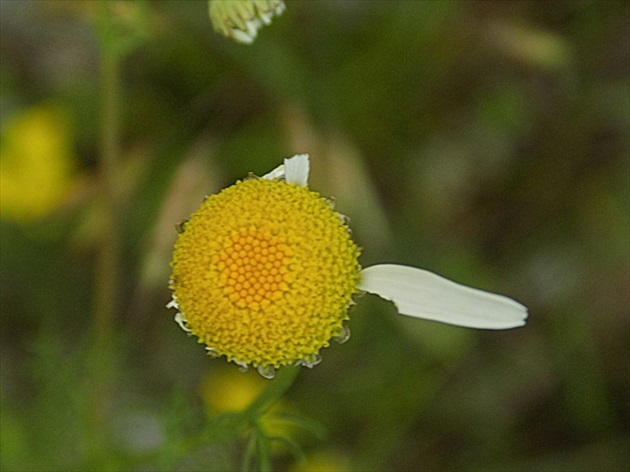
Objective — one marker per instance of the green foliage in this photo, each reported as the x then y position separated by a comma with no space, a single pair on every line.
490,140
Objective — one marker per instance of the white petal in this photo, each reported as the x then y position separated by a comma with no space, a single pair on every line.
181,321
294,171
277,173
297,168
253,26
242,36
423,294
266,17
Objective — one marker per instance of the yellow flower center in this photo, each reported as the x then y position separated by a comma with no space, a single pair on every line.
253,268
264,273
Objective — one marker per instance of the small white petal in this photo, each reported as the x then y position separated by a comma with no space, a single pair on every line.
294,171
242,36
423,294
297,168
277,173
253,26
181,321
266,17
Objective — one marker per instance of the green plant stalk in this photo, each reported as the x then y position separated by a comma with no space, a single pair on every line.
107,266
250,450
264,454
106,289
274,390
106,270
258,442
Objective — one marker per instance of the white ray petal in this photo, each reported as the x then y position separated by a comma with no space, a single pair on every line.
297,168
242,36
280,8
277,173
423,294
181,321
294,171
266,17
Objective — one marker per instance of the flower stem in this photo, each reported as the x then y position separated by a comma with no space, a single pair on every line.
274,390
258,442
106,270
107,265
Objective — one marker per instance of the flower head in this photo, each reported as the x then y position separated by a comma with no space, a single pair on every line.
264,273
241,19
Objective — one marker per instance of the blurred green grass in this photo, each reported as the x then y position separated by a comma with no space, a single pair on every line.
485,141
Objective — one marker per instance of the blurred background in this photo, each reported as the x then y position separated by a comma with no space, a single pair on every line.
486,141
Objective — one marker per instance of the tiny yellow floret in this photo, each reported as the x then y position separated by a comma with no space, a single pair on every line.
264,273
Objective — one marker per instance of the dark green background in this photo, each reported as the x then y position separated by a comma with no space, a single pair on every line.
486,141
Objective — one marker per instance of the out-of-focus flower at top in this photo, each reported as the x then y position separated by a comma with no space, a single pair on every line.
36,163
241,19
264,273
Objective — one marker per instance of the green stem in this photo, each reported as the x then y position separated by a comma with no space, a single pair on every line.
107,265
106,270
274,390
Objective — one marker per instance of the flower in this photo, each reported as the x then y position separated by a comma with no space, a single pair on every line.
228,391
36,163
264,273
241,19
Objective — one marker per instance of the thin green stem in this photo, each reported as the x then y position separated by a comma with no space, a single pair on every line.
106,270
106,289
264,453
250,451
274,390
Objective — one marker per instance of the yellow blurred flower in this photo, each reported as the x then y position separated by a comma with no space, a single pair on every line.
230,390
36,163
